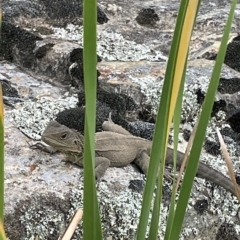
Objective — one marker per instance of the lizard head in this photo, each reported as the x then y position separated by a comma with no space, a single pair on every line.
62,138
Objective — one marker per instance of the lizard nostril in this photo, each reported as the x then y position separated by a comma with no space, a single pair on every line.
63,136
75,142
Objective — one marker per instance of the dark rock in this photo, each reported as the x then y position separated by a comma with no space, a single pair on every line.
14,38
217,105
72,118
201,206
76,68
230,86
62,61
8,89
69,12
13,10
220,105
209,55
212,147
136,185
57,13
121,104
234,121
13,226
101,16
42,51
227,232
141,129
33,209
10,93
228,132
186,134
147,17
146,114
238,180
53,62
228,103
62,11
233,54
200,96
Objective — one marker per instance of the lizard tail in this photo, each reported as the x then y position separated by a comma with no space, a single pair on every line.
206,172
216,177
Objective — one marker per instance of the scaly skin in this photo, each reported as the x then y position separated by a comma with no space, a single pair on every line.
116,147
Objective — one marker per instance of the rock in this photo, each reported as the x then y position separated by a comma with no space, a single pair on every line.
17,40
76,68
147,17
227,231
45,40
212,147
21,12
201,206
233,54
74,118
136,185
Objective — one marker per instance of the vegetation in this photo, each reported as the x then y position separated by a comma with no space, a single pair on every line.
2,234
169,109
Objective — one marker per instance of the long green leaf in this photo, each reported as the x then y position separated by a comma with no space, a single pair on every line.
187,18
190,18
91,221
2,233
201,131
177,120
164,117
1,158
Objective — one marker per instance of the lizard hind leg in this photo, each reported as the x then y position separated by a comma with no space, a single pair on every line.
101,165
142,160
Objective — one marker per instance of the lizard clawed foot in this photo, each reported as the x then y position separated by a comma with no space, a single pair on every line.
43,147
169,175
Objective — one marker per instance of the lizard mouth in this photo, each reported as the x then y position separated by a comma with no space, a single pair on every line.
65,148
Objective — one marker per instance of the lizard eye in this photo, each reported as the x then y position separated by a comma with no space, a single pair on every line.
63,136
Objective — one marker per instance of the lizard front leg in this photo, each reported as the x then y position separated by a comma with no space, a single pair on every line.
101,165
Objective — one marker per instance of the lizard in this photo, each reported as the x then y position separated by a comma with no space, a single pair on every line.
116,147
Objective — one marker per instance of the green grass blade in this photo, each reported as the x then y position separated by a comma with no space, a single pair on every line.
91,220
1,157
1,141
153,232
200,132
2,233
164,118
176,120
